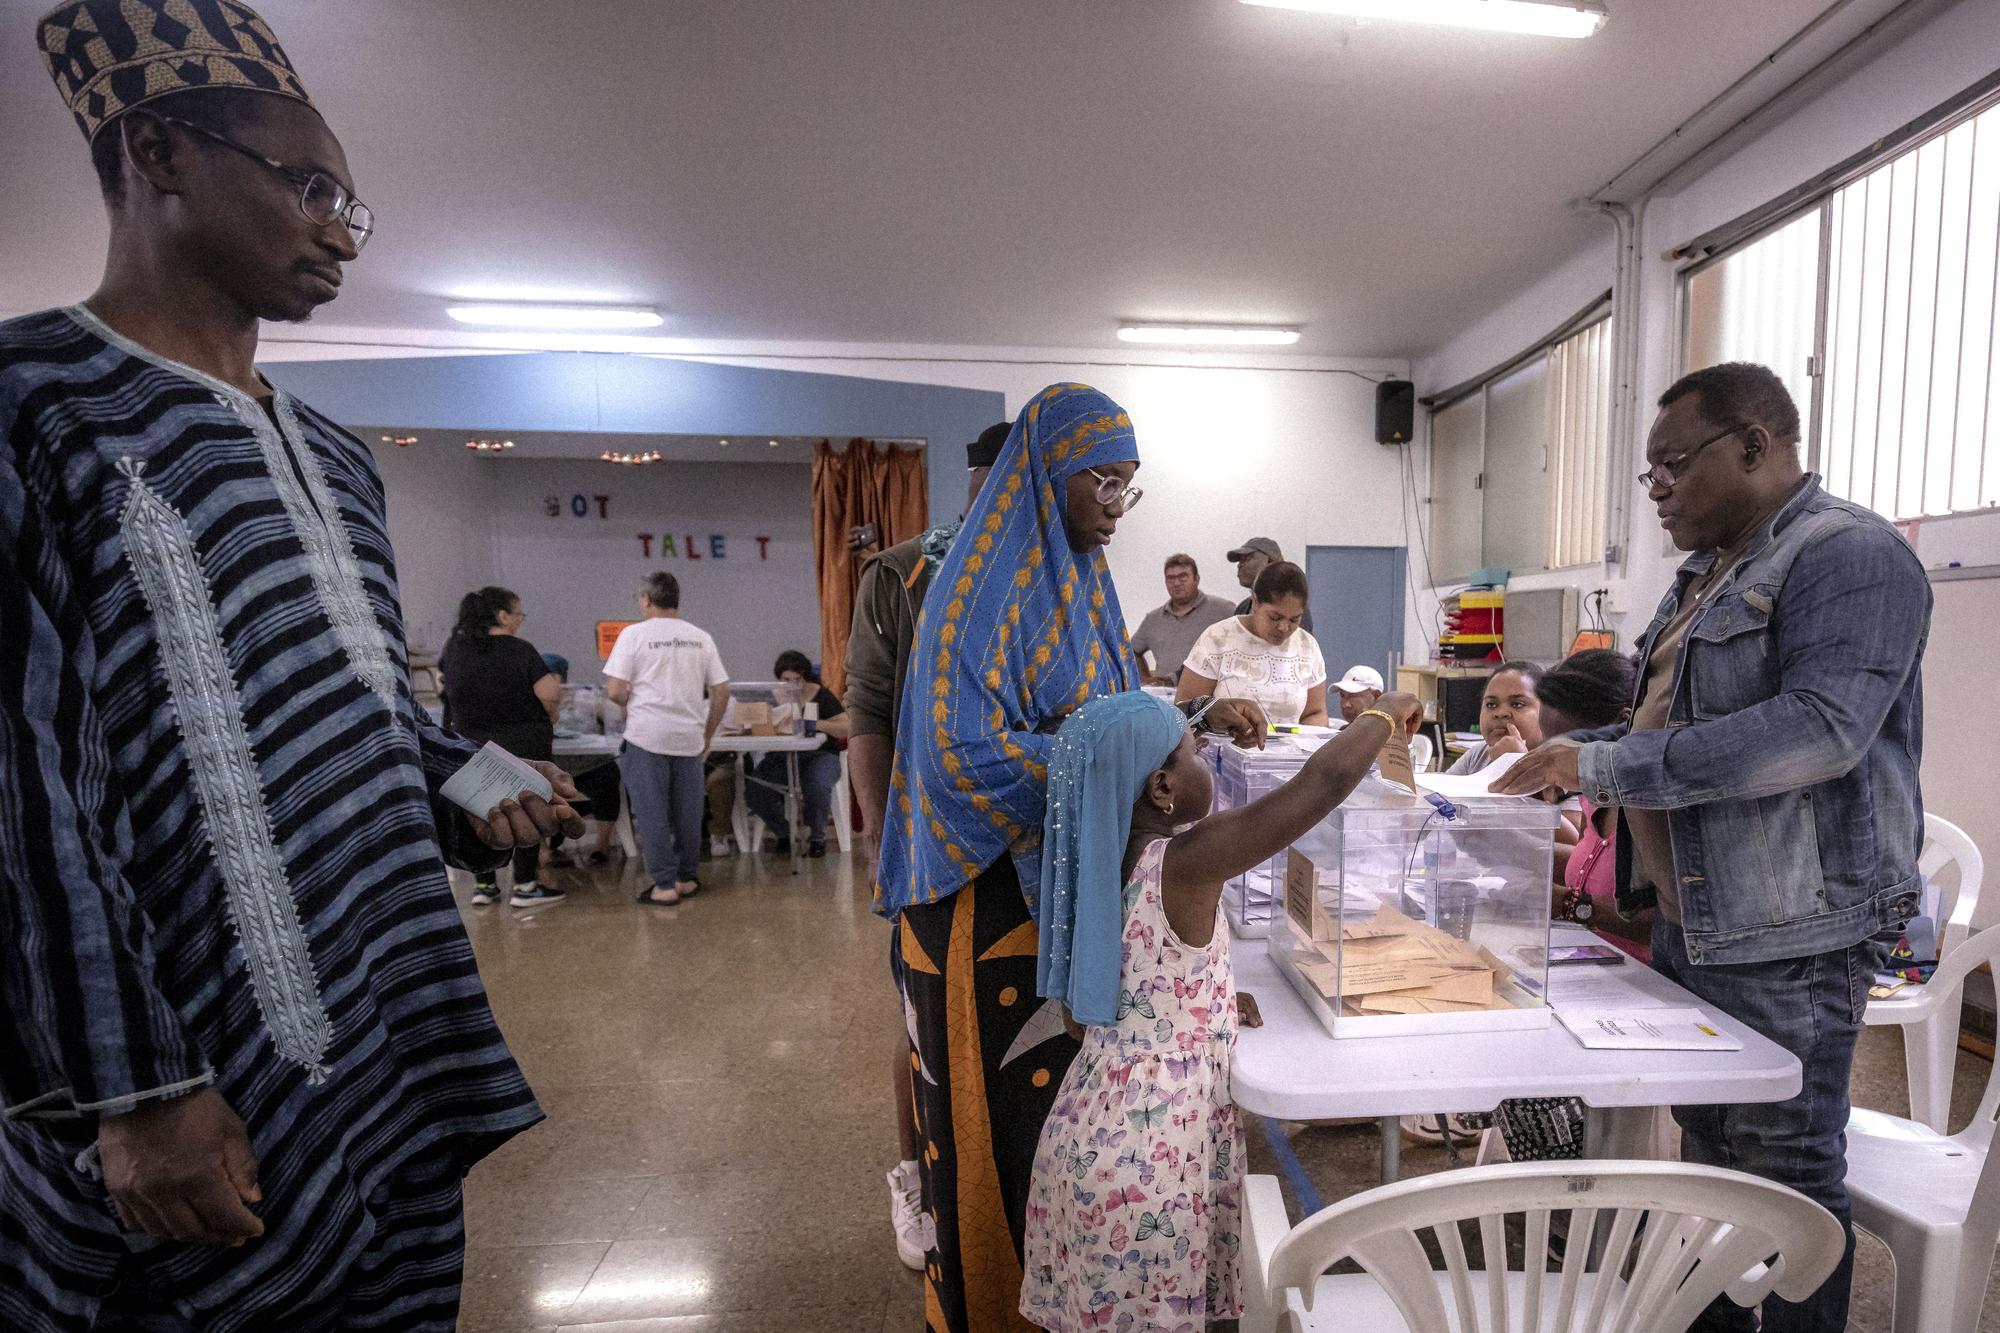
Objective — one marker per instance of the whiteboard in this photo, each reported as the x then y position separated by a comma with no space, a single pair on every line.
1961,673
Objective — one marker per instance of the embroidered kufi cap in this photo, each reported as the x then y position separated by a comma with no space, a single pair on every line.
107,56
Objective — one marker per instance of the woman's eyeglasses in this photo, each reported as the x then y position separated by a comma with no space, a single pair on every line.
321,198
1113,493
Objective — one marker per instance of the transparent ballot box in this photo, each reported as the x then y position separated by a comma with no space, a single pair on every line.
1242,776
1409,914
579,711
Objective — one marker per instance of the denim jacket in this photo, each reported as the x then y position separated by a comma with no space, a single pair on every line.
1790,755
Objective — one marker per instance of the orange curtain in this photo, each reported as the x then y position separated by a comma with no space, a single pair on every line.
864,483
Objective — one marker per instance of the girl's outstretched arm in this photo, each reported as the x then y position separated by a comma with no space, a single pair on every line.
1227,844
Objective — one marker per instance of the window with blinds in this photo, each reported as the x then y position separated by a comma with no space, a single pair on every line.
1520,461
1579,432
1878,308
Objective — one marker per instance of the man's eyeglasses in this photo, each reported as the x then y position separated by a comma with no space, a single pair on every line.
321,198
1113,493
1667,471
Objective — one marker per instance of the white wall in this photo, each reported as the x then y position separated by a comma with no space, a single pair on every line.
1921,70
440,530
459,521
1225,454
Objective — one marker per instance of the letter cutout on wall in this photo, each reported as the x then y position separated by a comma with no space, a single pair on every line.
645,545
693,552
667,545
763,547
715,546
603,505
578,505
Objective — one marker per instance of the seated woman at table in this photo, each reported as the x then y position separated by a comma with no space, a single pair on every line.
1263,656
1134,945
1588,690
819,769
1510,716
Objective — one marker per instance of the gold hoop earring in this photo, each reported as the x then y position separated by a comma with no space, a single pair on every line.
1170,809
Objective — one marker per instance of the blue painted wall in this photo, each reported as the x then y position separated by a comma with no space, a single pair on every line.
622,394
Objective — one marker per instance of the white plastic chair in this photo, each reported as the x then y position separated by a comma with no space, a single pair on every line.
1708,1232
1421,752
1929,1014
1933,1199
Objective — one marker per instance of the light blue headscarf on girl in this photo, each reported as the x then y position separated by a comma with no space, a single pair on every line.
1097,771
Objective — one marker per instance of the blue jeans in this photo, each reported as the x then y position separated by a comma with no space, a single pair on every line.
666,793
818,771
1812,1007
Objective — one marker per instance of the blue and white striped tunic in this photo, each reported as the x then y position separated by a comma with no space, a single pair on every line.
220,855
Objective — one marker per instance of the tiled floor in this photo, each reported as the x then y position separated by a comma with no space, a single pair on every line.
716,1078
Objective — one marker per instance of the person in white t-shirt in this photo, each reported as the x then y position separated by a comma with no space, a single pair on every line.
660,669
1263,656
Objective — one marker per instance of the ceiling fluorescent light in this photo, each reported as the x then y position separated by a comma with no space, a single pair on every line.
518,316
1207,335
1537,18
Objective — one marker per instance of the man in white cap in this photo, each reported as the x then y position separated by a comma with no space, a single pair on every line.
1359,689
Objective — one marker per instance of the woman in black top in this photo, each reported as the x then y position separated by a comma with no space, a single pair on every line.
497,688
819,769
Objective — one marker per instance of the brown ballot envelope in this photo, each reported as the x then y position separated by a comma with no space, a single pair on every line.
1394,760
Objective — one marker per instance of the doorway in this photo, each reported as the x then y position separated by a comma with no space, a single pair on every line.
1357,605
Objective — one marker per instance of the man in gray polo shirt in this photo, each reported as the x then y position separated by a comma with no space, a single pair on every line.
1168,632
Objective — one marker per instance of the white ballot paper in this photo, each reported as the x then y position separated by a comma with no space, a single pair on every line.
1460,785
1648,1030
490,777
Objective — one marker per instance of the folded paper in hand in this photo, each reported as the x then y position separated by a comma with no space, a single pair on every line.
490,777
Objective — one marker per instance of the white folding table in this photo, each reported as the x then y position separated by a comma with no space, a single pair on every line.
579,754
789,746
1290,1068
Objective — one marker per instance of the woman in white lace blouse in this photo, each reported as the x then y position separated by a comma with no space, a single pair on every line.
1265,655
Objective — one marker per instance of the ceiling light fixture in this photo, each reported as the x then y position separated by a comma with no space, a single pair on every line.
488,446
630,460
516,315
1534,18
1213,335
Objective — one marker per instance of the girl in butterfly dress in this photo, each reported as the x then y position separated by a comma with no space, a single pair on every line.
1133,1215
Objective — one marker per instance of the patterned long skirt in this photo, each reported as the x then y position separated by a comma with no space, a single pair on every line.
990,1058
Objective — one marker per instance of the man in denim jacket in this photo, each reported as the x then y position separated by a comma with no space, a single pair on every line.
1767,782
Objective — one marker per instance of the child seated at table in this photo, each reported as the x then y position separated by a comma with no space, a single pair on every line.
1133,1213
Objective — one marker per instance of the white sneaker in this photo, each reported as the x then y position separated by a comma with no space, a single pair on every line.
718,846
485,895
914,1228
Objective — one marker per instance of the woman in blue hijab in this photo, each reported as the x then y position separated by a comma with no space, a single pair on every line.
1020,627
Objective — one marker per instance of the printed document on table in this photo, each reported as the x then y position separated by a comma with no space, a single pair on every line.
1648,1030
490,777
1595,988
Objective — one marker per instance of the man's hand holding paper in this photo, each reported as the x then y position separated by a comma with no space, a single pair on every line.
512,802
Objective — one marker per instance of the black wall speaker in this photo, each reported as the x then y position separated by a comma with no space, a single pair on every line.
1395,411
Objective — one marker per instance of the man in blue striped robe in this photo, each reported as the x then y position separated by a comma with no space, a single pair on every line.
246,1059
